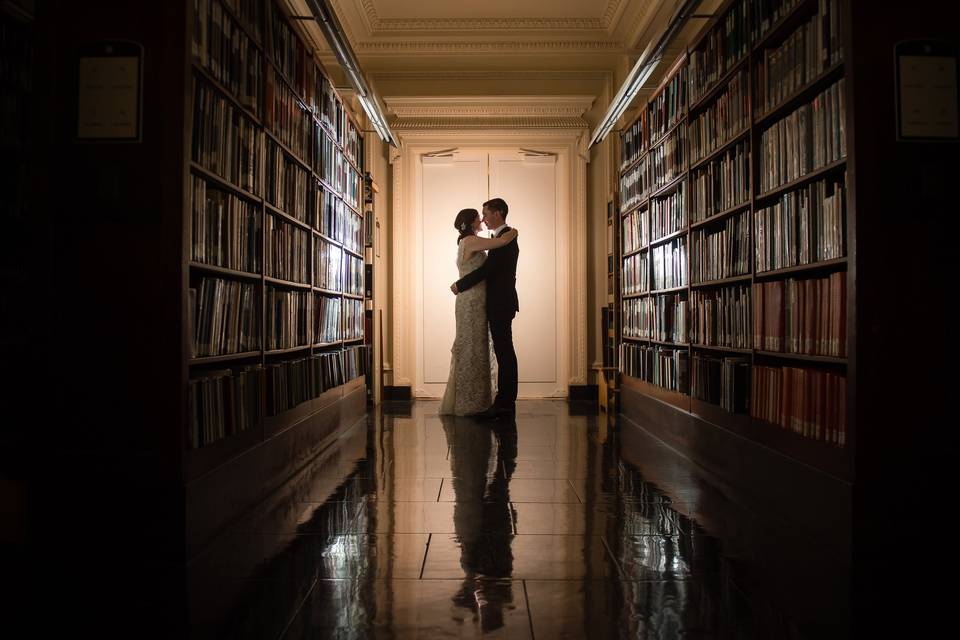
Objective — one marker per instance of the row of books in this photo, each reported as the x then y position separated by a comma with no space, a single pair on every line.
225,317
809,138
663,366
808,402
634,185
721,381
287,183
803,226
287,325
338,222
224,140
223,403
327,314
328,160
668,107
330,110
721,184
356,361
352,319
636,233
802,316
723,252
221,47
636,274
668,214
286,250
721,317
670,318
287,51
352,187
224,229
668,159
670,264
351,143
634,140
354,275
726,44
726,118
249,13
636,317
805,54
287,117
328,266
765,14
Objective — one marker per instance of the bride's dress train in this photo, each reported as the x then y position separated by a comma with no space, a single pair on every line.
469,388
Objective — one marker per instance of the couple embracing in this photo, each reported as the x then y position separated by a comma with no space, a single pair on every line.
486,297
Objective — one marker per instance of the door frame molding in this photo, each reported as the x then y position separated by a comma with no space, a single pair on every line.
570,145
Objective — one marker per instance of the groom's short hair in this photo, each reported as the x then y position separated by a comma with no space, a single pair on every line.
497,204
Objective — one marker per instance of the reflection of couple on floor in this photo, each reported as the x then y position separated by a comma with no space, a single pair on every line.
482,461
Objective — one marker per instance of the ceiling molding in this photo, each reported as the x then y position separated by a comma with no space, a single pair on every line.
513,74
487,107
453,46
488,123
376,24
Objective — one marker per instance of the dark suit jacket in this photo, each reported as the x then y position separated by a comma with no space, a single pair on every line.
500,272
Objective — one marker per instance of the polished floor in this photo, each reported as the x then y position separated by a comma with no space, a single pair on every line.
554,525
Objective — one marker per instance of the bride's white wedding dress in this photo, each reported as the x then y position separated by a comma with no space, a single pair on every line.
469,388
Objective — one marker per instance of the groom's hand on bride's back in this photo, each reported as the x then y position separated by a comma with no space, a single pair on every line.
453,288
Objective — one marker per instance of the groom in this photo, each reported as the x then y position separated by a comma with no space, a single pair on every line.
500,272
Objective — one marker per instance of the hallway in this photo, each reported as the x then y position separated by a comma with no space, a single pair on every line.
419,526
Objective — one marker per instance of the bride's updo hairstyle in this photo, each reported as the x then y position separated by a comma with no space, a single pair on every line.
464,222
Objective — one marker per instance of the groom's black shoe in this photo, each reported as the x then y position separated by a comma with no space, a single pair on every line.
488,414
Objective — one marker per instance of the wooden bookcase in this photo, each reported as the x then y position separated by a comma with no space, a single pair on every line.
729,84
303,366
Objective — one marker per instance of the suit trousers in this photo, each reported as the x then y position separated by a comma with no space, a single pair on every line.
501,330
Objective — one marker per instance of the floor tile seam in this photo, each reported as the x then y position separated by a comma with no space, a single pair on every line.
426,550
526,599
298,609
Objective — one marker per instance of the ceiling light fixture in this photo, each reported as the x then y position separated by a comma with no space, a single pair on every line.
645,66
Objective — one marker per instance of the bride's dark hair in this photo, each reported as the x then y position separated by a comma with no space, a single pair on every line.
464,222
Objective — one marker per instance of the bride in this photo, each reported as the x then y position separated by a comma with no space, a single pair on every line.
468,387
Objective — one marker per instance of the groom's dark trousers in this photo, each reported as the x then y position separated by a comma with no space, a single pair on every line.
500,273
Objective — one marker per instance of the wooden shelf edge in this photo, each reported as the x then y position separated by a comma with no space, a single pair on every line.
813,266
801,181
723,148
224,271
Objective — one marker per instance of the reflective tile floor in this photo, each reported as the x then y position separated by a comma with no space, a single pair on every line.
422,526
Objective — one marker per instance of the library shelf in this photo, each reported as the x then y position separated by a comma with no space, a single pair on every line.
803,180
287,81
628,168
204,459
666,134
353,340
823,265
674,399
723,148
228,10
667,238
327,239
636,339
280,213
670,290
277,424
800,96
353,253
237,190
715,89
227,93
329,292
644,201
721,282
716,217
287,150
669,187
739,423
784,26
642,294
223,271
720,349
353,296
668,343
327,345
801,357
287,350
326,185
229,357
286,283
635,251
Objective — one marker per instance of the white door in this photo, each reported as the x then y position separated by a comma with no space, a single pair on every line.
529,186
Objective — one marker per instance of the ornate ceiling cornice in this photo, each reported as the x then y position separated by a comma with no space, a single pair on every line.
453,46
377,24
517,122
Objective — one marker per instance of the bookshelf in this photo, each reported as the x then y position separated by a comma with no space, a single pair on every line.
273,271
740,319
